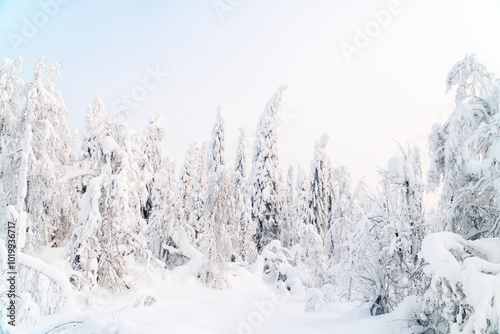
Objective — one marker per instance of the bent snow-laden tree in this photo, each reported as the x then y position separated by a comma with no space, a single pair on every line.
109,216
461,147
50,154
265,179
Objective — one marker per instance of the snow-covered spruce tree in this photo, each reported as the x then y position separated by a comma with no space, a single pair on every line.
162,200
174,239
265,179
240,165
216,149
220,211
303,212
216,159
244,247
321,187
342,213
50,203
109,217
304,233
465,209
184,190
346,212
150,159
289,218
198,197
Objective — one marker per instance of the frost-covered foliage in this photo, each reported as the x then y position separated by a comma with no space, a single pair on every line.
313,254
220,209
150,159
470,77
463,296
217,144
266,192
389,241
347,210
162,211
15,137
462,153
288,233
321,187
198,197
45,290
342,215
240,165
244,232
109,218
10,88
184,190
303,212
277,261
50,154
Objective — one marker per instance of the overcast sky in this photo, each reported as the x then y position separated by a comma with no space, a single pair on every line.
367,73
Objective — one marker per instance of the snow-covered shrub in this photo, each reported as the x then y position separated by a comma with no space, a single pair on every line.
315,300
464,291
276,261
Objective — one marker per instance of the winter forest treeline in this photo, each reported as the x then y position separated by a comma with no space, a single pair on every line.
117,201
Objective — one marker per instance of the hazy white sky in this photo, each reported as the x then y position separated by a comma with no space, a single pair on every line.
235,56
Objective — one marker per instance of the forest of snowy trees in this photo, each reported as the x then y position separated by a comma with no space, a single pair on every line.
115,202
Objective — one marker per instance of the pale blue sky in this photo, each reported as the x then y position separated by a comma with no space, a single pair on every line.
393,89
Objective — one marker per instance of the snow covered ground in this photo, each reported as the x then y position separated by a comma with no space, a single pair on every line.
185,305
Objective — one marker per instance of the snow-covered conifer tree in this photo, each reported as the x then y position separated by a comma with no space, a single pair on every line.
151,158
185,188
338,240
162,200
198,197
265,180
289,217
240,166
321,189
220,211
303,213
217,144
244,246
